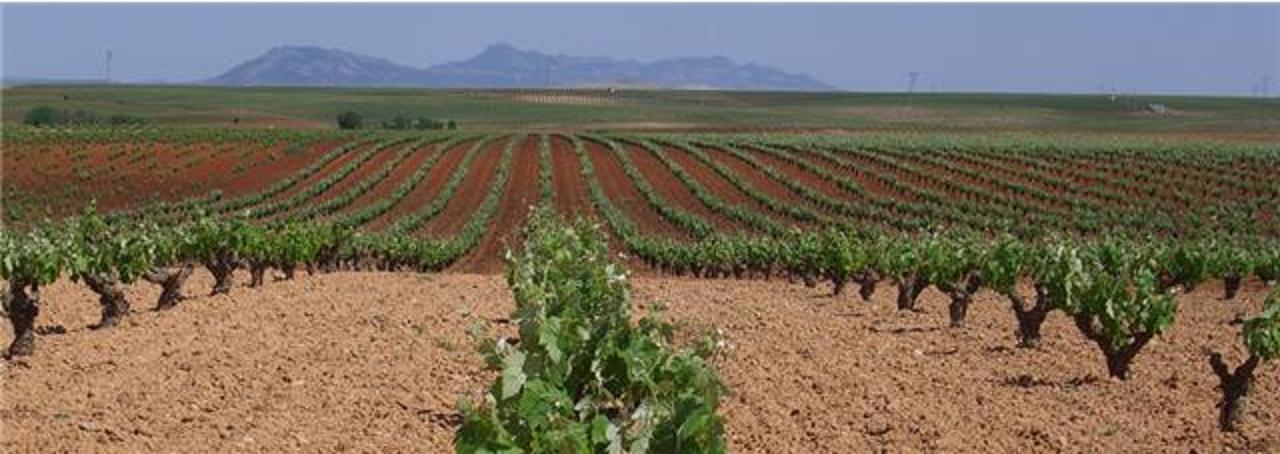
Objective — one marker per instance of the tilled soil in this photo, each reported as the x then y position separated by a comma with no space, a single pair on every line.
622,193
676,193
428,189
466,200
518,197
374,362
570,187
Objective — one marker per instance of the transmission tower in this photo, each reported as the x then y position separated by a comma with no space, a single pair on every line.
107,76
911,81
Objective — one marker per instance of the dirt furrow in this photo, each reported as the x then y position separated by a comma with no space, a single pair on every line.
572,197
623,194
427,190
470,194
520,196
675,191
393,180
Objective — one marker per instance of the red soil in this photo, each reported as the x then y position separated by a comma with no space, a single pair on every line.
795,172
393,180
320,175
718,185
675,191
470,194
261,177
371,167
427,190
169,172
624,195
571,196
841,166
520,196
756,178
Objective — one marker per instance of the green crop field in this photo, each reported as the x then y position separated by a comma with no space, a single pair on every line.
579,109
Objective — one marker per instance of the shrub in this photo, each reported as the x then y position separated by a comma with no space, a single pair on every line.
350,120
41,116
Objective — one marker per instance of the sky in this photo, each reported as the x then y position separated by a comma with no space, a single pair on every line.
1081,48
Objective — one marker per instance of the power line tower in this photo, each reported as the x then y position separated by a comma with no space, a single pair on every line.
911,81
107,75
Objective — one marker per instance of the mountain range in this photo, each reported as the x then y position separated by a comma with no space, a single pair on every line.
504,66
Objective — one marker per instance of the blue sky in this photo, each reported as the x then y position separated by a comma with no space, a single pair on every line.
1050,48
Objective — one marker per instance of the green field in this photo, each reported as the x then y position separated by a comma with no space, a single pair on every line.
584,109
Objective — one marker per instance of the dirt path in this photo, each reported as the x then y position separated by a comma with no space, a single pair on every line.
520,196
375,362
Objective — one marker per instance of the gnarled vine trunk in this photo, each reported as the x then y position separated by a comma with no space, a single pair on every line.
24,306
111,296
289,270
867,284
909,288
1030,319
1235,390
222,269
961,296
1119,358
170,282
257,273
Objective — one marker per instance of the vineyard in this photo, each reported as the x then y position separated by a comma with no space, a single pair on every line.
1117,252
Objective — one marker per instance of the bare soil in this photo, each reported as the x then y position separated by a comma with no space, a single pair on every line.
353,179
623,194
721,186
470,193
428,189
263,176
757,178
388,185
324,172
676,192
519,196
571,194
374,362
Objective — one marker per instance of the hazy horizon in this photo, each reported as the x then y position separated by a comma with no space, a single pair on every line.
1174,49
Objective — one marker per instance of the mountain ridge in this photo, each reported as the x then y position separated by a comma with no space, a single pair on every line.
502,65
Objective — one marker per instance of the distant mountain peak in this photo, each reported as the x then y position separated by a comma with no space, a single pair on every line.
502,65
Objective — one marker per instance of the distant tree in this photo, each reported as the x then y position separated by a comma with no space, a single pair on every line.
451,125
41,116
349,120
398,122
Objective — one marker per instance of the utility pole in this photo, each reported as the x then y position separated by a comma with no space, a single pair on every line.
911,81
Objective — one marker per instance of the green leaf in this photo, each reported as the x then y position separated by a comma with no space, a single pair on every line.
513,374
